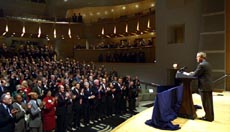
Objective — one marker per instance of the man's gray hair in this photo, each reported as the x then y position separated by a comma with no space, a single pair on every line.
202,55
3,97
86,83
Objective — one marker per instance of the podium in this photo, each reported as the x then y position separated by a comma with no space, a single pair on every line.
187,109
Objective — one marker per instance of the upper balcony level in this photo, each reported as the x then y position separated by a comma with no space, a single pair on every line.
64,11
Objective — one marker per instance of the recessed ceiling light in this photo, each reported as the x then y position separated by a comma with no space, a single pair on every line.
137,6
123,7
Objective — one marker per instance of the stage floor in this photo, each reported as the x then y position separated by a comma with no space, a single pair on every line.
220,124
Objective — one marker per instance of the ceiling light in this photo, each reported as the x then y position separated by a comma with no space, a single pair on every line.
137,6
102,31
123,7
55,33
106,12
23,31
69,33
7,29
152,5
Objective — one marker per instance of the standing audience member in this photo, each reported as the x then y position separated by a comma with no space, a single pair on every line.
7,113
87,97
77,105
69,108
35,106
26,89
38,88
109,99
20,122
48,113
3,88
79,18
62,100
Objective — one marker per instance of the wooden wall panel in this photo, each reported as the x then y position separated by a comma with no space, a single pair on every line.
227,43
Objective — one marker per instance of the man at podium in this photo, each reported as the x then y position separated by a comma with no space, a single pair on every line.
203,74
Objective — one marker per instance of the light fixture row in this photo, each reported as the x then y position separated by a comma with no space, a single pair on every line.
70,32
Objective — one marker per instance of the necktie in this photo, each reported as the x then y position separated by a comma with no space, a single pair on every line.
39,90
37,103
99,94
8,110
2,89
62,96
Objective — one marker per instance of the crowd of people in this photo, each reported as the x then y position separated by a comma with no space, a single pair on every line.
27,50
123,56
138,43
76,18
42,94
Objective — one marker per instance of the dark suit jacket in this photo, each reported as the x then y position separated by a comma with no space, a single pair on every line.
203,73
6,121
61,104
1,90
19,118
77,100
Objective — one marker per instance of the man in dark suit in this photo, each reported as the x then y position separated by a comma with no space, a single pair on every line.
38,89
62,99
6,114
203,73
2,87
77,105
88,96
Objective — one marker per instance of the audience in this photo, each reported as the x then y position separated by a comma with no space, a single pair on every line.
76,18
138,43
62,89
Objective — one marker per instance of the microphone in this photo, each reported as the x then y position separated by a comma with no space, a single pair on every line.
182,69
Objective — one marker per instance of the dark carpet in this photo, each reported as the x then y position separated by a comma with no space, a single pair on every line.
105,125
148,105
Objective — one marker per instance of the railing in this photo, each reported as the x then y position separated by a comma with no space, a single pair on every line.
148,91
220,78
147,84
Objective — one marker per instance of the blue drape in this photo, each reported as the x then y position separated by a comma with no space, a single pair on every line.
166,108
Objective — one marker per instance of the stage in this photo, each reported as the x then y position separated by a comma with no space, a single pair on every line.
221,122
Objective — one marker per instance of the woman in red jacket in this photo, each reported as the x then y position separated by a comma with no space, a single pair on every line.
48,113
